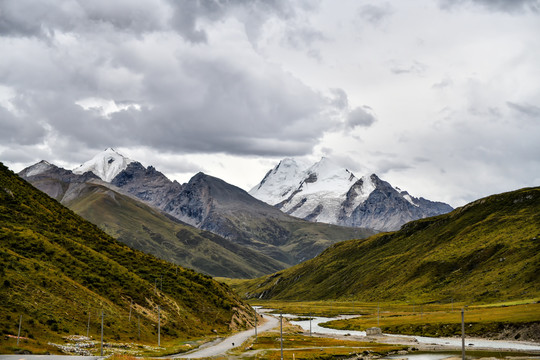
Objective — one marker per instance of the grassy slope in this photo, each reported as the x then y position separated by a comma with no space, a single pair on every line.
287,239
488,250
147,229
57,269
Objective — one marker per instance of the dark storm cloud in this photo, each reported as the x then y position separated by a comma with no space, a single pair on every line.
509,6
252,13
20,130
186,97
43,18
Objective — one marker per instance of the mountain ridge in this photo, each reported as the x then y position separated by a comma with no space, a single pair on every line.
124,216
325,192
210,204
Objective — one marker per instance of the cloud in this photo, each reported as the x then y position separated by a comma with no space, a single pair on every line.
415,68
195,87
508,6
375,14
444,83
360,116
525,109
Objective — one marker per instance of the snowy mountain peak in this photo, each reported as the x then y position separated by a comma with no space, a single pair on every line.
38,168
326,192
106,165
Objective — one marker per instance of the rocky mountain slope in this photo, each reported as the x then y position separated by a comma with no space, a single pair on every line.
324,192
60,271
486,251
212,204
146,228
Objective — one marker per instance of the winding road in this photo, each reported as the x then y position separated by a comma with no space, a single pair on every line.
220,348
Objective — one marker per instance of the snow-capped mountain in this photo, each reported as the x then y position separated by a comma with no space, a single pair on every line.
205,202
106,165
325,192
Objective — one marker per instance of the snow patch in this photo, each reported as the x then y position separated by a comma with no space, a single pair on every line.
106,165
38,168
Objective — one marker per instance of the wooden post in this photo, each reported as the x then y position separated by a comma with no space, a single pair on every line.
139,327
19,333
130,306
159,327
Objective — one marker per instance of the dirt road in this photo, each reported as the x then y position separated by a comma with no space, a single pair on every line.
221,347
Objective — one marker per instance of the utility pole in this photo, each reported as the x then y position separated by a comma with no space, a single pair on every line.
256,325
130,306
281,333
19,333
377,314
462,333
88,325
101,332
310,324
139,327
159,327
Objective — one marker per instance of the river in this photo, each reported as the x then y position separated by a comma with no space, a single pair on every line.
470,343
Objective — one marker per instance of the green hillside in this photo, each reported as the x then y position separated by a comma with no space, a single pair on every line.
149,230
486,251
60,271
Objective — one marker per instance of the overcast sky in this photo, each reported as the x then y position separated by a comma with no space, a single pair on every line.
438,97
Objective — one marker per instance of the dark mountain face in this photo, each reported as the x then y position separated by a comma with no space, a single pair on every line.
212,204
147,184
386,208
58,183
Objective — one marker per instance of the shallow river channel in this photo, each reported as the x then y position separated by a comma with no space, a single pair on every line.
470,343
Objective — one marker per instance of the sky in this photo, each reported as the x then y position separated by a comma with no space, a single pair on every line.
438,97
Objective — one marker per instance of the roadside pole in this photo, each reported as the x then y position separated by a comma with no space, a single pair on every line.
256,325
19,333
378,315
462,333
159,327
101,332
88,325
309,324
281,333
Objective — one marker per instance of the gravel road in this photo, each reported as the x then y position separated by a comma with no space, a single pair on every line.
220,348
